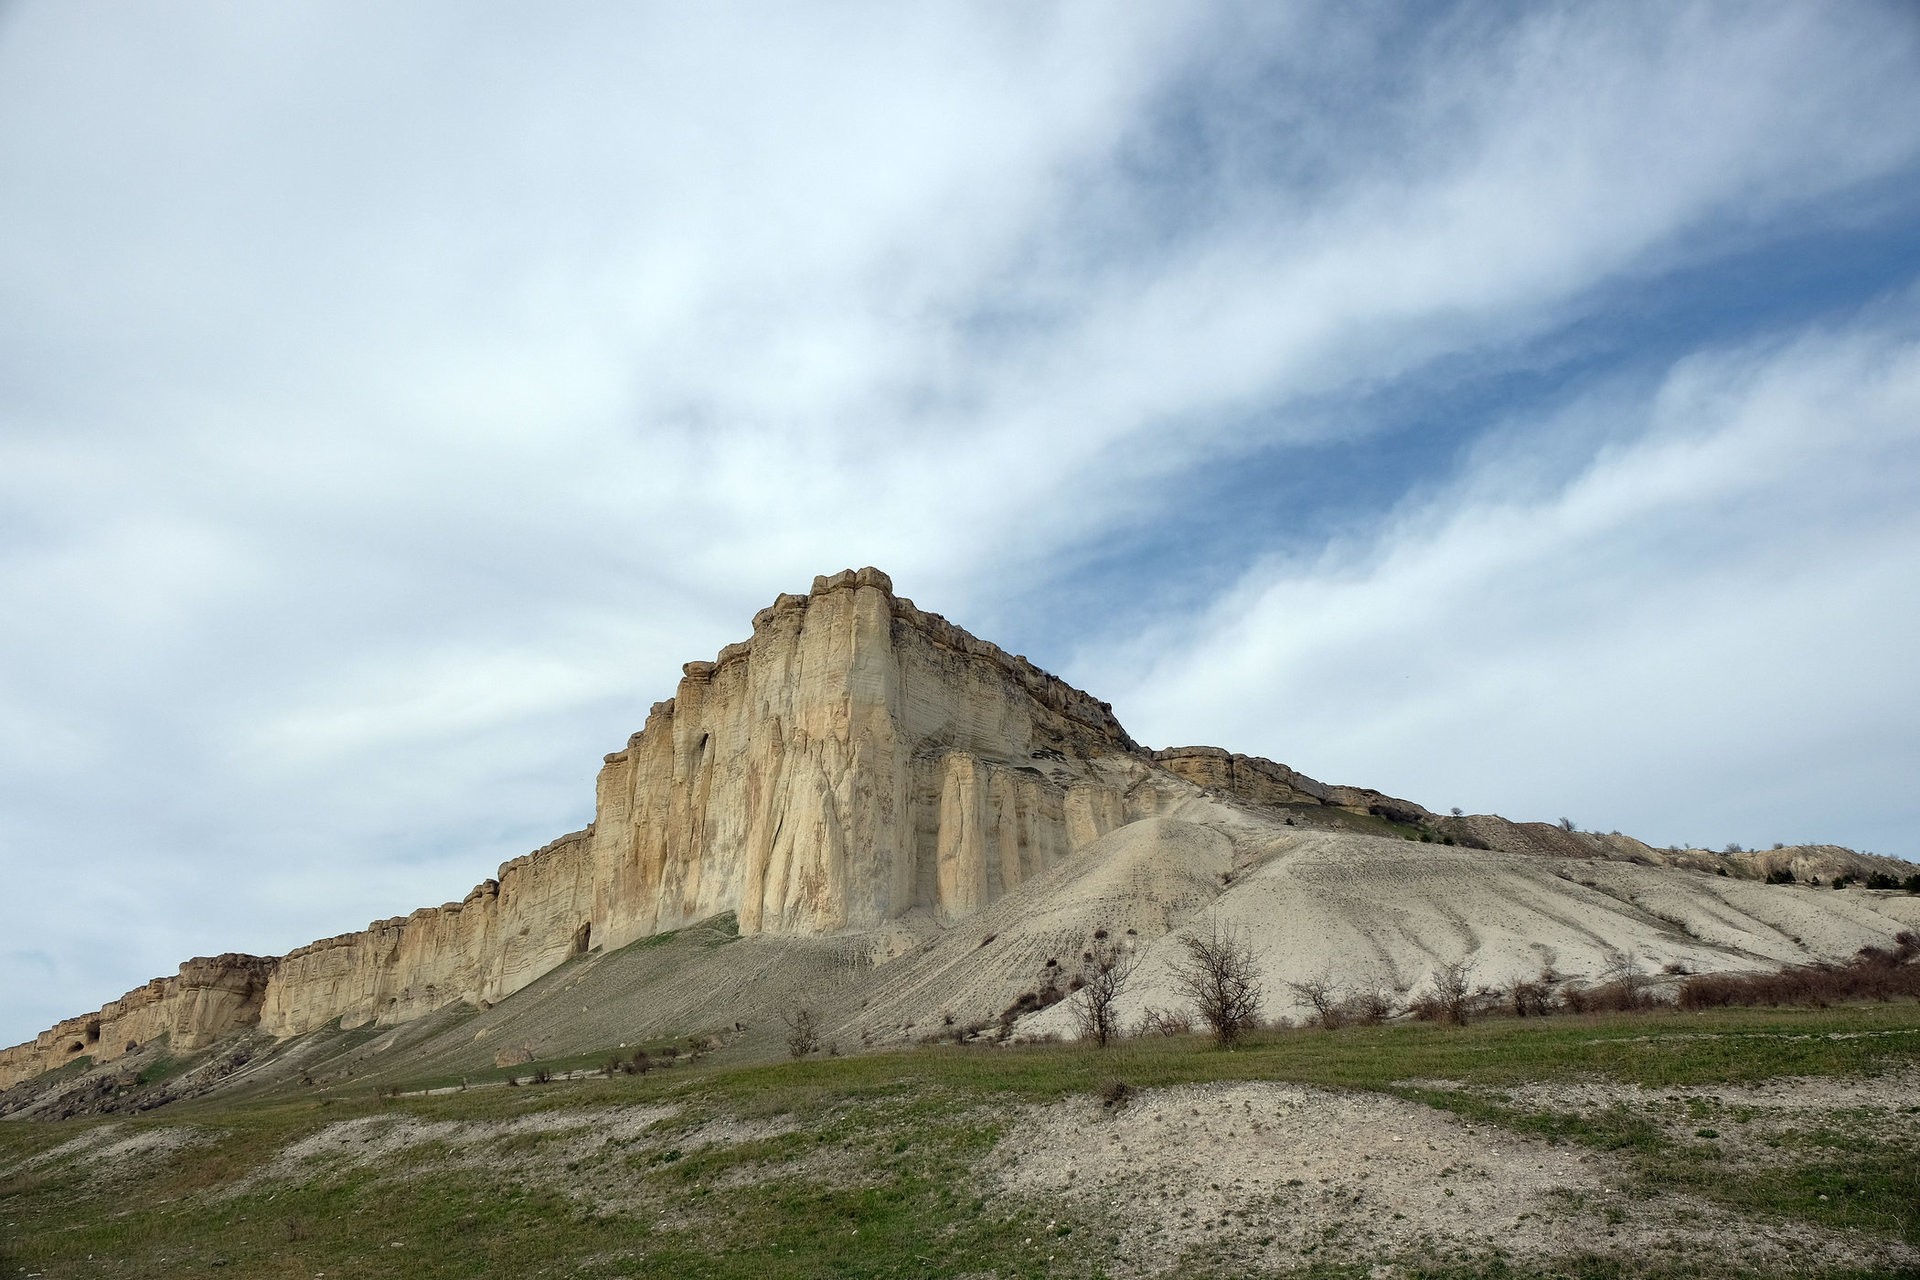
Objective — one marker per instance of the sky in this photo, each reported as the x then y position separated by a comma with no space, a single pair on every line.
1513,407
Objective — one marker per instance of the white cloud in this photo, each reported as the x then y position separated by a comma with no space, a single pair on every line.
1702,634
395,400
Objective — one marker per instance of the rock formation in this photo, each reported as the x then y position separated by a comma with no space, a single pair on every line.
210,997
856,766
501,936
855,761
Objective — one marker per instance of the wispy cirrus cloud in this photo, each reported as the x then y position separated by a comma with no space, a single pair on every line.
1696,631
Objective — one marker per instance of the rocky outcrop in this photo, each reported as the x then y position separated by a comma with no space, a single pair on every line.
211,997
1808,864
1258,781
1251,778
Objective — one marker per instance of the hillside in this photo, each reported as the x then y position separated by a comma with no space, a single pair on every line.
1734,1144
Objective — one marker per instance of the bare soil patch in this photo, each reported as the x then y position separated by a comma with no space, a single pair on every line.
1276,1175
113,1150
545,1147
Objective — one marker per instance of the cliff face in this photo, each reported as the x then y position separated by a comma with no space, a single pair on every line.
503,935
854,761
211,997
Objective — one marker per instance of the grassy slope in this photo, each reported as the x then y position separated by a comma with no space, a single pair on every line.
872,1170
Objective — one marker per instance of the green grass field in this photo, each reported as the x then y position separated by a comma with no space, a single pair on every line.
872,1165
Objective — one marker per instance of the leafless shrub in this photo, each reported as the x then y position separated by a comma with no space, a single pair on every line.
1221,977
1103,980
1333,1009
1045,996
1165,1022
1874,973
1320,995
803,1037
1370,1006
1114,1093
1566,824
1531,999
1624,983
954,1033
1452,997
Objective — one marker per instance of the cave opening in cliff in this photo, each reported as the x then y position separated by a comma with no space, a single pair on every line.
582,938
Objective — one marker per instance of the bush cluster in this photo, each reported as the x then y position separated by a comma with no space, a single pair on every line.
1334,1008
1045,996
1876,973
1220,980
1164,1022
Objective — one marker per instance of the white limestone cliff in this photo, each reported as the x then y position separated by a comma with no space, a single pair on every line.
857,760
853,761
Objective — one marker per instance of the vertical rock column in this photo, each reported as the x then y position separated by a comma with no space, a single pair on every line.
774,782
828,846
